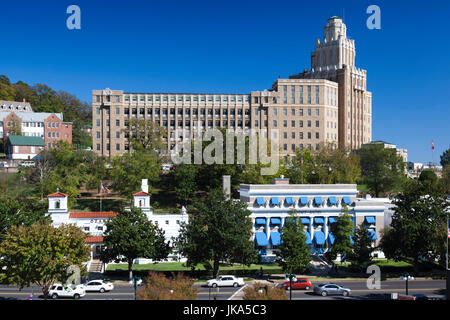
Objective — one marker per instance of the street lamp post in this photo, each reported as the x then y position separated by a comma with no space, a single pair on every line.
407,277
291,276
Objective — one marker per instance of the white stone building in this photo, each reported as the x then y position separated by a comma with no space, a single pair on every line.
317,206
93,223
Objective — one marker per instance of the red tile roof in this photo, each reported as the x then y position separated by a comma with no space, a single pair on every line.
141,193
94,239
57,194
105,214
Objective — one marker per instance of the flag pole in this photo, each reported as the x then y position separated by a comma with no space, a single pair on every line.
101,187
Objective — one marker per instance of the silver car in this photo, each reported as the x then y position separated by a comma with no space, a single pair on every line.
325,289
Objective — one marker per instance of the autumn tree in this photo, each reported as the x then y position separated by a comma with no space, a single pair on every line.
262,291
159,287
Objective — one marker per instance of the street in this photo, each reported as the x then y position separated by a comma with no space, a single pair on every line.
431,288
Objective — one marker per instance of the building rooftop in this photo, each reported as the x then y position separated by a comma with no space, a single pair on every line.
103,214
26,141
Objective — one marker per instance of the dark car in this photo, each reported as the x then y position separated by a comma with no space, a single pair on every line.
298,284
325,289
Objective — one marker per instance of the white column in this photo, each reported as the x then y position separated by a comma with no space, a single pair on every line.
268,232
325,227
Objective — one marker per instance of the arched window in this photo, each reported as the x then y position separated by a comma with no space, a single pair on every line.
57,204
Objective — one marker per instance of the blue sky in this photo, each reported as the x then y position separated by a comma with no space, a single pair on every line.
236,47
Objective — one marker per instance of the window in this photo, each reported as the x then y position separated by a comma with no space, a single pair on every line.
285,94
117,123
97,110
309,135
98,123
317,112
97,98
98,134
309,94
98,146
301,123
301,94
309,112
293,111
317,94
285,123
284,135
300,135
317,135
293,123
293,135
274,123
309,123
117,146
275,112
292,94
317,123
117,134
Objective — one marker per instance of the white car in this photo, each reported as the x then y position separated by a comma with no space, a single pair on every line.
4,164
66,291
225,281
98,285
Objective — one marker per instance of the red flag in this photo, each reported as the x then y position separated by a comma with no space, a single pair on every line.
432,145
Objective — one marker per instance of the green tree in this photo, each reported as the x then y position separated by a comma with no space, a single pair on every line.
327,165
145,135
131,235
130,168
294,256
219,230
184,177
20,212
342,231
419,214
382,169
429,177
361,255
41,254
445,158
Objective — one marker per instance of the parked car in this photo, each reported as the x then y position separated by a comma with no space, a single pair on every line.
325,289
4,164
301,283
66,291
98,285
225,281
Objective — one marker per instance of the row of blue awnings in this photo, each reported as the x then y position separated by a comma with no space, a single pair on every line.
302,200
319,238
272,221
304,220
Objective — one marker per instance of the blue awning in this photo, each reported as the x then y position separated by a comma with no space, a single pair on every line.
275,238
303,201
373,234
319,220
317,200
308,237
274,200
275,221
305,220
319,237
370,219
260,220
346,200
261,239
332,219
289,201
260,201
330,238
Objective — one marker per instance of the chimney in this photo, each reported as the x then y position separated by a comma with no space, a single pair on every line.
144,185
226,180
281,180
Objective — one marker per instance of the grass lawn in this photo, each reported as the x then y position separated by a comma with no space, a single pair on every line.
180,266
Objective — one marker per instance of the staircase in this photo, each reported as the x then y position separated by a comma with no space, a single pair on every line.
320,265
95,269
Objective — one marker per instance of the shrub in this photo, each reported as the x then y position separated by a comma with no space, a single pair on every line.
158,287
261,291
